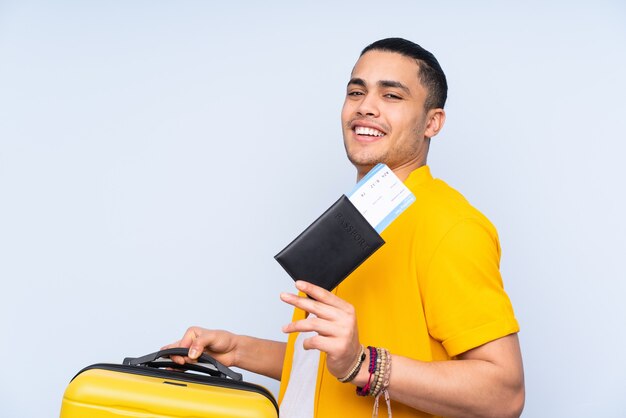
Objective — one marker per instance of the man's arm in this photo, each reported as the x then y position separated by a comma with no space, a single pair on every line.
261,356
486,381
253,354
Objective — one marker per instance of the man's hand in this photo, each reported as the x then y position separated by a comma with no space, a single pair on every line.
485,381
221,345
334,322
254,354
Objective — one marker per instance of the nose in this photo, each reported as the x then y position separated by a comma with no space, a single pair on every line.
368,106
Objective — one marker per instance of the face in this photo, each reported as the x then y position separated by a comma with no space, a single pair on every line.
383,115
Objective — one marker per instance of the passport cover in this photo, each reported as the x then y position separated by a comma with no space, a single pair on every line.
332,247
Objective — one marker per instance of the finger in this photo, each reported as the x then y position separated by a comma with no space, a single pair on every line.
175,359
339,357
322,295
320,309
321,326
319,342
172,345
205,340
195,339
189,339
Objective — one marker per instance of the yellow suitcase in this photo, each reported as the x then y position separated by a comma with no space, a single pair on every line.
147,387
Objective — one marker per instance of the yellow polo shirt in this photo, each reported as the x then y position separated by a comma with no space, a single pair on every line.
432,292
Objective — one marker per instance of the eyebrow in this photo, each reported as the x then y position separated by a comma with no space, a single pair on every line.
357,81
381,83
394,84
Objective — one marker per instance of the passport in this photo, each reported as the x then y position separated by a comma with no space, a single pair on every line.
348,232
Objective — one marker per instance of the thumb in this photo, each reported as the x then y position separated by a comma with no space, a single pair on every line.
195,351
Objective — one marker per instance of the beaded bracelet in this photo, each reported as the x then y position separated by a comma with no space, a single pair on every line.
380,371
355,369
365,390
385,386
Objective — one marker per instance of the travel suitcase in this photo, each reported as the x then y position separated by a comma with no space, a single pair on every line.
147,387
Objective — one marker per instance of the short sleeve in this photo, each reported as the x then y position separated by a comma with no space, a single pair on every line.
464,299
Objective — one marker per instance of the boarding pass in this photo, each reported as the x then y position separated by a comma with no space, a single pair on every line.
381,197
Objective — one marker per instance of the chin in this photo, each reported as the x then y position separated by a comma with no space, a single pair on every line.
364,161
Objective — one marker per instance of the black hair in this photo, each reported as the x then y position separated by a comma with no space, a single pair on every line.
430,74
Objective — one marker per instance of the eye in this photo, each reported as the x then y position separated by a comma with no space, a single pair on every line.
392,96
355,93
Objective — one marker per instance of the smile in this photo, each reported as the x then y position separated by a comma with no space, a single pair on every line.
361,130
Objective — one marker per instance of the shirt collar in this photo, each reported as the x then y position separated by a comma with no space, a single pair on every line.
418,176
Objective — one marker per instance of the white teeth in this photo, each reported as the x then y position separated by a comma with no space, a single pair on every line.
361,130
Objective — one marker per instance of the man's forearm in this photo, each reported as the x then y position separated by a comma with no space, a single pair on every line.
260,356
463,388
485,382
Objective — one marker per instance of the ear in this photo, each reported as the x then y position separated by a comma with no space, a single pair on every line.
435,118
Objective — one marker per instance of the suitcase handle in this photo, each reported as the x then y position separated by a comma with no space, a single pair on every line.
149,360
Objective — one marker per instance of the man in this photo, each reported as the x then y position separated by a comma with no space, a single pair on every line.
432,295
